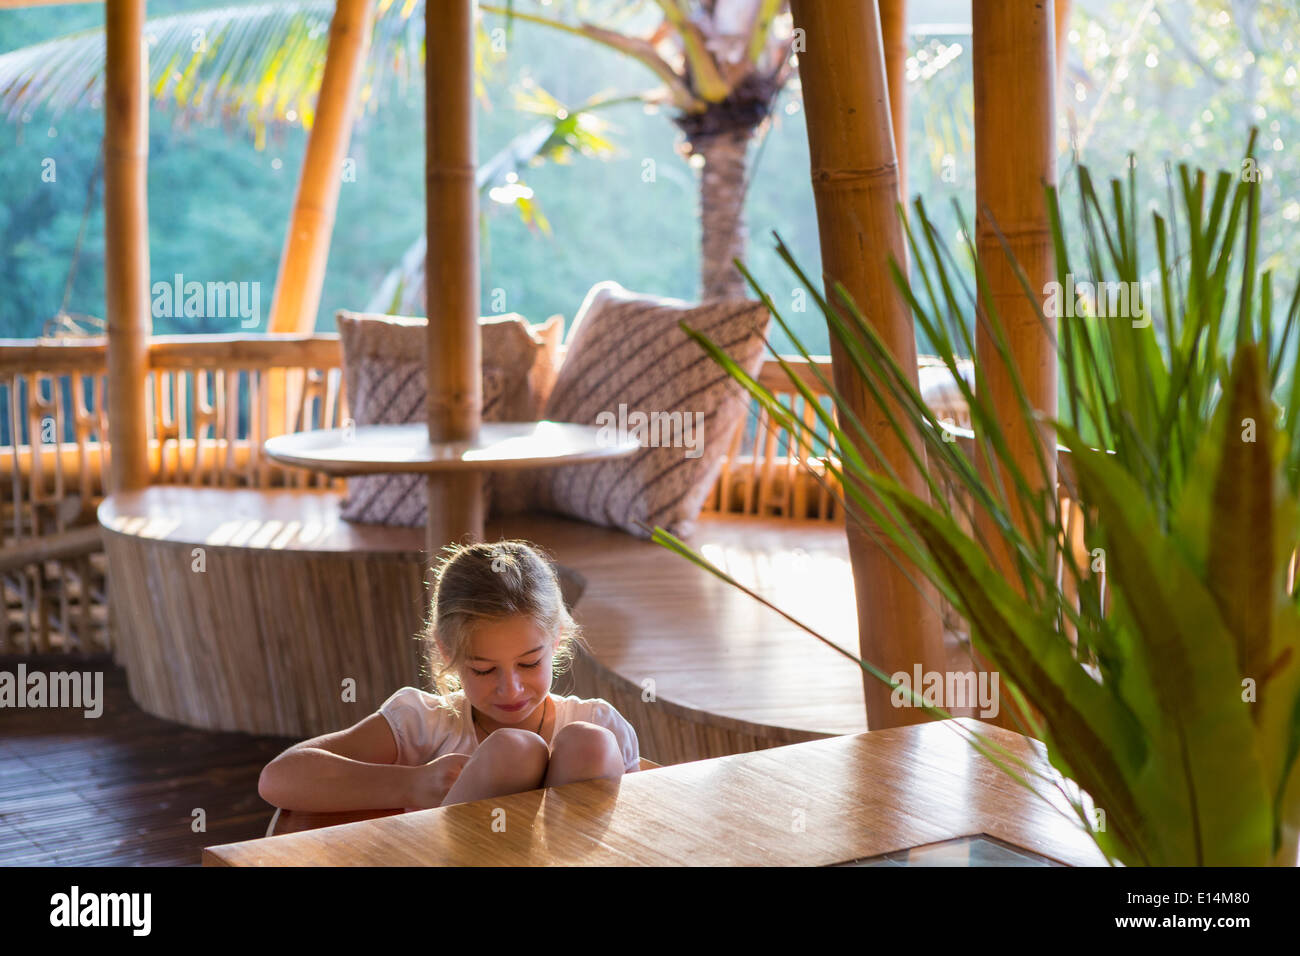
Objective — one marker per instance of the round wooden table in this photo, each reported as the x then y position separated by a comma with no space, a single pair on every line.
383,449
455,469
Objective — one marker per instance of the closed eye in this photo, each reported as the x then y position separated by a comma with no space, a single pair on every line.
535,663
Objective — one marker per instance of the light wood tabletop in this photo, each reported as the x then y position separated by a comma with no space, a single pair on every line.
809,804
384,449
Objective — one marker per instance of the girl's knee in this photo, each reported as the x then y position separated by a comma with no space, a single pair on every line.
514,738
586,741
517,747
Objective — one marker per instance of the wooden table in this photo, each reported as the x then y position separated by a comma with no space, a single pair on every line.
383,449
455,469
808,804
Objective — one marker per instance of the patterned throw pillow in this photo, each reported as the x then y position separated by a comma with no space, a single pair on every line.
385,377
940,391
630,369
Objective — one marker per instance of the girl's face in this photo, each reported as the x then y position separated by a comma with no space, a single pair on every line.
508,673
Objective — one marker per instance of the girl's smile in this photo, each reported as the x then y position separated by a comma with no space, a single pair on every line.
508,675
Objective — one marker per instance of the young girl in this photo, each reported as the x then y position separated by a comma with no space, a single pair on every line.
497,626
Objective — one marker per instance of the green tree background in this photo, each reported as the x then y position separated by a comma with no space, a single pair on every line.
1180,80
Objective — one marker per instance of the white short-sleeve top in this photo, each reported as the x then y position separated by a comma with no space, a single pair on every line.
424,730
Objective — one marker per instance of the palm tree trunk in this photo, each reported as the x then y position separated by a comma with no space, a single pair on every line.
722,212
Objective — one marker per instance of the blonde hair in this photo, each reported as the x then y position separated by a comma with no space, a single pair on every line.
487,582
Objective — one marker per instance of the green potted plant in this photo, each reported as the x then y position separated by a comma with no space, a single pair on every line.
1161,664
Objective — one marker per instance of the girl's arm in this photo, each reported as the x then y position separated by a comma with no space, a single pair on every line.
350,769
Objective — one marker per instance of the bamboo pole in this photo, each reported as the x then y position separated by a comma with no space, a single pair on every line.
1013,44
893,28
1062,14
455,390
126,240
855,184
311,224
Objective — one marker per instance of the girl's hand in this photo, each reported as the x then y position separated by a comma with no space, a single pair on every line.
436,778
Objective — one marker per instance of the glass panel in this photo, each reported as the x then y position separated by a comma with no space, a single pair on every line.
977,850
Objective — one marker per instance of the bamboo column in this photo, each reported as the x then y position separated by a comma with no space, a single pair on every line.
855,183
1062,14
453,350
1013,44
311,224
126,240
893,28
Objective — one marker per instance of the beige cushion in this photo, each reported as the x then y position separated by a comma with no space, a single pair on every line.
939,389
384,373
625,354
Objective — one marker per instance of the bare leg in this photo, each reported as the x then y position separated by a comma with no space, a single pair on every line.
583,751
508,761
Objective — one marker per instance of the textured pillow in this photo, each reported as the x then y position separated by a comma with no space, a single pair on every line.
630,369
940,392
385,375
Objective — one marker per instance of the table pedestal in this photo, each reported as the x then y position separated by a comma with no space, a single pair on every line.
456,510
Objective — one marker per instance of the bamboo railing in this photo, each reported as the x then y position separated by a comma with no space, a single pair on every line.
207,414
762,475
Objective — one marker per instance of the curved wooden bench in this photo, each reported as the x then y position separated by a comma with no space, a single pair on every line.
294,601
700,668
291,603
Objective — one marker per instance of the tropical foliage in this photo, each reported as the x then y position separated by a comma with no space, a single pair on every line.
721,64
556,137
255,67
218,207
259,64
1161,659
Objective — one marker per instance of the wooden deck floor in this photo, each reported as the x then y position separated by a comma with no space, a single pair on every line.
120,789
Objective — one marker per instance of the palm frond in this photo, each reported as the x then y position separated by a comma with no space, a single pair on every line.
639,48
259,63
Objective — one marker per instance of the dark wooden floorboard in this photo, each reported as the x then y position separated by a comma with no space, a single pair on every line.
120,789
